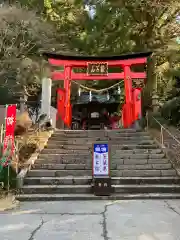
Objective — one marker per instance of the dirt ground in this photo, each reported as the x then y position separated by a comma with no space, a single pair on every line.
8,202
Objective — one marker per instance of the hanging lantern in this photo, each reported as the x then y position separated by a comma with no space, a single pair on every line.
90,96
108,97
119,90
79,92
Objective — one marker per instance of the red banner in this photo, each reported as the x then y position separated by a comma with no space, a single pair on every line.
9,144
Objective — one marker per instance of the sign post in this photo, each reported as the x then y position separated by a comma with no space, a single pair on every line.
101,169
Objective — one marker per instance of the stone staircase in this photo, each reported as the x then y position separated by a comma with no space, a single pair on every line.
139,168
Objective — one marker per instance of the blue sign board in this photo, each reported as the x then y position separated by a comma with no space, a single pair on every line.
100,159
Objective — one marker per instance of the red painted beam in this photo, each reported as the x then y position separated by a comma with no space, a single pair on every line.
83,76
141,75
80,63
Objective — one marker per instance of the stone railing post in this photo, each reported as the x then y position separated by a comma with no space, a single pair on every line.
46,97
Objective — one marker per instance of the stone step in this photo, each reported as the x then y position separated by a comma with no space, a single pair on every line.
138,161
83,189
58,156
69,146
101,134
89,142
64,160
140,156
114,166
76,141
87,180
67,151
63,170
58,173
98,137
135,146
87,156
116,134
92,140
88,160
82,133
137,151
58,180
112,142
88,197
89,132
62,166
143,166
147,188
113,150
65,156
144,173
101,130
114,173
54,189
113,146
145,180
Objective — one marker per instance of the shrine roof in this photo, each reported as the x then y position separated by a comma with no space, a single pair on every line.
96,58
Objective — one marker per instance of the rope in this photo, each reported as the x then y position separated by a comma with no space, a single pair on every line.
97,90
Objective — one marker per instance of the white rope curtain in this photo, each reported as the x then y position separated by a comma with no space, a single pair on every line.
98,90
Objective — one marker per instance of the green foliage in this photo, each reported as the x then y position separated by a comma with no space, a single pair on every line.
37,5
127,26
118,26
7,173
171,108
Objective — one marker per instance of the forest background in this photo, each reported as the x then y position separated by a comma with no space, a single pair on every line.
98,27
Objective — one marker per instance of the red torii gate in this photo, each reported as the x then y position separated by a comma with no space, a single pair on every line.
132,107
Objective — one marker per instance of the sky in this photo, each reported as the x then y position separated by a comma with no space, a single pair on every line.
91,10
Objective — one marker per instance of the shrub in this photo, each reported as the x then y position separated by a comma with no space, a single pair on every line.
7,173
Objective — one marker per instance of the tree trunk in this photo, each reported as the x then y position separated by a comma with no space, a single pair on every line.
150,84
23,100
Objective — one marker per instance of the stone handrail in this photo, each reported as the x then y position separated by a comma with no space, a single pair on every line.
165,129
167,141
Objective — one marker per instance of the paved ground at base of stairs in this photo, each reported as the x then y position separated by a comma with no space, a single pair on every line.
96,220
